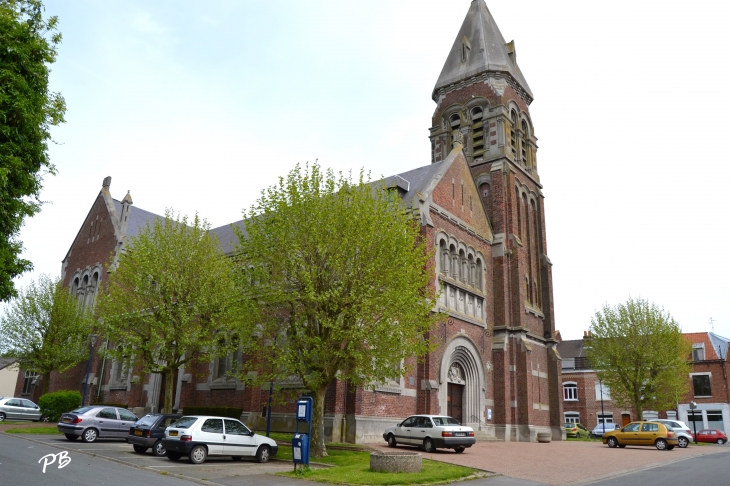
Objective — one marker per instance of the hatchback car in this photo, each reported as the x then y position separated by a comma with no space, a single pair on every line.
684,434
431,432
96,421
711,435
201,436
602,429
149,431
20,409
576,430
642,434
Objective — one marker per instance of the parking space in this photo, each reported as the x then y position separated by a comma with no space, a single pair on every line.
215,469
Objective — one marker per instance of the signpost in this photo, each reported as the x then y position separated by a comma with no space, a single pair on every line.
300,442
693,407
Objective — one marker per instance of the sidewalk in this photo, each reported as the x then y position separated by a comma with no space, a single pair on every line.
562,462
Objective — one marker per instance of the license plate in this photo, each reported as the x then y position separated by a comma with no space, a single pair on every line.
459,434
137,432
173,433
66,420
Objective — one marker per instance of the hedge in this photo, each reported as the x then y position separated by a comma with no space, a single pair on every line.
231,412
56,403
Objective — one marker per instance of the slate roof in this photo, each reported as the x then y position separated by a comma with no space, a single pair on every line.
418,180
5,362
716,347
138,218
488,51
572,348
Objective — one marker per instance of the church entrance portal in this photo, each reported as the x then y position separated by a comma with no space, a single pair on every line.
454,401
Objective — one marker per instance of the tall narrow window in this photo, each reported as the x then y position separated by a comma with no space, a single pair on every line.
455,124
524,143
518,200
512,134
444,258
477,133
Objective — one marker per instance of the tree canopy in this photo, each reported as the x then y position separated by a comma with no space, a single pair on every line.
640,353
342,279
45,329
172,299
27,111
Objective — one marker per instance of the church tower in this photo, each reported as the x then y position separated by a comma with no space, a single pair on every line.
482,100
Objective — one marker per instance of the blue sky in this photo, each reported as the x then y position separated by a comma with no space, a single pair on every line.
198,106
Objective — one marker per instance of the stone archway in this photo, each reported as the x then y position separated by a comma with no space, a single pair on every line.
462,379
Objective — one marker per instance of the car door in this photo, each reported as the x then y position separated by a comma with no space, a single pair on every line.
211,433
126,421
403,431
13,409
629,435
239,441
648,434
420,429
31,411
107,422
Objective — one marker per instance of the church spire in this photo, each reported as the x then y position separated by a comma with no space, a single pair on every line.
479,48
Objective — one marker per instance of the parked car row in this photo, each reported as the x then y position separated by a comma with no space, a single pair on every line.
12,408
642,434
168,435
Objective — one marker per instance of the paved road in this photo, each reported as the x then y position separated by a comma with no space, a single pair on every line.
712,469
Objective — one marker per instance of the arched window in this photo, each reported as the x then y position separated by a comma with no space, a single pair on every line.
513,134
472,270
455,124
518,201
477,133
478,277
524,143
570,391
444,258
454,263
464,273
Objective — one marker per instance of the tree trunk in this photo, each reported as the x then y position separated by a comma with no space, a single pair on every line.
639,411
46,382
317,448
169,377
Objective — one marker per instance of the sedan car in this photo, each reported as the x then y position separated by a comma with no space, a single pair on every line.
149,431
199,436
96,421
602,429
711,435
20,409
431,432
576,430
684,433
642,434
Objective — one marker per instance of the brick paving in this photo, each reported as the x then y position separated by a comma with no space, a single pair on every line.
563,462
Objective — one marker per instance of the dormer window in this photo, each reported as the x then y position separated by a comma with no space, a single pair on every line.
465,49
698,352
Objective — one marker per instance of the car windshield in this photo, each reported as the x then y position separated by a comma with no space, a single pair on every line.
147,420
81,410
183,422
569,426
445,421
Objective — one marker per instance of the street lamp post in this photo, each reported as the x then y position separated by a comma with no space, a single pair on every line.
92,339
693,407
271,390
603,415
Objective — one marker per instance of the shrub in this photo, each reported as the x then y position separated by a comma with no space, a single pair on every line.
231,412
118,405
54,404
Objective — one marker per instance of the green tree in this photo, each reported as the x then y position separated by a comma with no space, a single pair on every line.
342,277
172,299
27,111
45,329
640,354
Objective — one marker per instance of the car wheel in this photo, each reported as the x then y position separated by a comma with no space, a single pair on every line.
197,454
90,435
236,458
720,441
428,445
682,442
2,416
460,449
661,444
391,441
577,436
71,437
173,456
45,419
263,454
612,442
157,449
139,449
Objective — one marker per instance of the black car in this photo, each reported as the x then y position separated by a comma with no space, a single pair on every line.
149,431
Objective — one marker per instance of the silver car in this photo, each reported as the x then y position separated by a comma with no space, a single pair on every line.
19,409
431,432
684,433
96,421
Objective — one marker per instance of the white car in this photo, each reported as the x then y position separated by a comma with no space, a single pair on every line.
684,433
431,432
602,429
198,437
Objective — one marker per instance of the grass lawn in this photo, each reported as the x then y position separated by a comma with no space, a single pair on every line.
354,468
47,430
13,422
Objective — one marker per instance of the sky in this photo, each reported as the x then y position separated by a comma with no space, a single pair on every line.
198,106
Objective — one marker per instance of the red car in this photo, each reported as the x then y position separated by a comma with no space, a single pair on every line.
711,435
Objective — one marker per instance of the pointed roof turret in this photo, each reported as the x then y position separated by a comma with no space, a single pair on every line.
479,48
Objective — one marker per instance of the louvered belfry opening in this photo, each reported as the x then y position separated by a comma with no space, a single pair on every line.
477,134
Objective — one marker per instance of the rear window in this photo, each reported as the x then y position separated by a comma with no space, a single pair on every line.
147,420
184,422
569,426
445,421
81,410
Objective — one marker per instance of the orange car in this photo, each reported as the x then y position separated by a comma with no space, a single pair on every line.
642,434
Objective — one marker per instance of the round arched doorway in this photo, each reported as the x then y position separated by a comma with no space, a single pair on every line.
463,385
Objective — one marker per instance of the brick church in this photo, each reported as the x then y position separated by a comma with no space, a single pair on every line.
481,205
